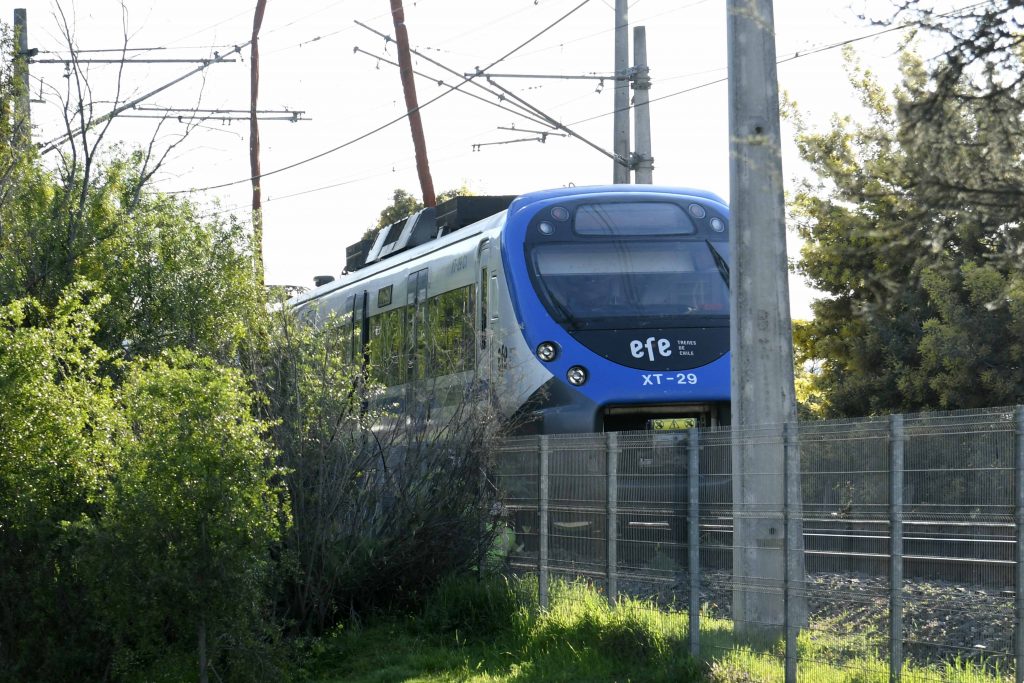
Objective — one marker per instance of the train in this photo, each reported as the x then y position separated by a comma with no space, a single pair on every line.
581,309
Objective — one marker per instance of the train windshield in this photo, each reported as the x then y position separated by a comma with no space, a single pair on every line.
651,283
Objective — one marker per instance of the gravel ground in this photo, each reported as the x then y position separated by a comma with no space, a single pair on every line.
941,620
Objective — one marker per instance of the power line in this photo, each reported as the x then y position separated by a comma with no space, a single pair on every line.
604,31
796,55
75,60
52,144
555,124
392,121
82,50
523,111
441,82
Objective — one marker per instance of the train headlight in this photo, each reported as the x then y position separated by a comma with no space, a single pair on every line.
547,351
577,375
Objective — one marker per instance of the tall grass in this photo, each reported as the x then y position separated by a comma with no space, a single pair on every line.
492,631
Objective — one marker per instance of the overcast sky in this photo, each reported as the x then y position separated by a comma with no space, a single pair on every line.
315,209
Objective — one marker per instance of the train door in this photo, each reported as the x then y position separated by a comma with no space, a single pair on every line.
487,309
358,339
416,328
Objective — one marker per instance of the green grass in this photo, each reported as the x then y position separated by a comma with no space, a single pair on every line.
492,632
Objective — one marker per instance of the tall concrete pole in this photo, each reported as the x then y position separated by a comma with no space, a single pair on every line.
620,134
411,105
643,162
763,398
23,117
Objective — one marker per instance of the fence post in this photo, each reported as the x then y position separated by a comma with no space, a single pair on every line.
790,470
1018,634
896,443
693,539
612,447
542,553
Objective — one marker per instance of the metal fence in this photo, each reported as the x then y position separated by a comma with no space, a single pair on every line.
906,539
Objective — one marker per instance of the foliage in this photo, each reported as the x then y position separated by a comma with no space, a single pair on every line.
923,281
384,507
197,504
979,38
173,278
59,445
132,517
580,638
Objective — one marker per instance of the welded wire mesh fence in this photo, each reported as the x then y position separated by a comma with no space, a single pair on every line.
856,550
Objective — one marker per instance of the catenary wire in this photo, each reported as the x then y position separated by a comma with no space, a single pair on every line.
392,121
789,58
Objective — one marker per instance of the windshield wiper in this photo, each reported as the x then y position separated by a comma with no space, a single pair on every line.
723,267
566,315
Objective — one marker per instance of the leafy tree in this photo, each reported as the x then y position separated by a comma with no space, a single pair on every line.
194,512
174,279
924,305
59,444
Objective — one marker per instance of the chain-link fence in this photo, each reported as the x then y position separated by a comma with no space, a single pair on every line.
885,548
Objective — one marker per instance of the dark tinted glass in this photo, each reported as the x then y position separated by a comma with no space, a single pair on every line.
632,218
594,285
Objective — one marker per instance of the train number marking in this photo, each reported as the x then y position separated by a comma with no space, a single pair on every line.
657,378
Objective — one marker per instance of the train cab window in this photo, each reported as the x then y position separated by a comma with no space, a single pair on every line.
632,219
594,285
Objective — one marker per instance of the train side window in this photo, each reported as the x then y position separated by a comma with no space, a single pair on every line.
384,296
357,349
450,336
386,344
344,329
483,308
492,295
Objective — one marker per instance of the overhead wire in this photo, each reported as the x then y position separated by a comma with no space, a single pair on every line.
799,54
788,58
390,123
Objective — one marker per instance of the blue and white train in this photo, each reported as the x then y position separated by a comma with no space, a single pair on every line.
583,309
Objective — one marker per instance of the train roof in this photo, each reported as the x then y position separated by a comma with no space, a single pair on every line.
457,219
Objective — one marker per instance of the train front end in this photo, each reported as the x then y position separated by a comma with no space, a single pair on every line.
622,294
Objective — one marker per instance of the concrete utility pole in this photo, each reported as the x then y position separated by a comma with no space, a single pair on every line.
763,398
620,135
23,119
642,160
411,105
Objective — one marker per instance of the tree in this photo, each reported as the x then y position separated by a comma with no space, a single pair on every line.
60,431
924,307
194,512
174,278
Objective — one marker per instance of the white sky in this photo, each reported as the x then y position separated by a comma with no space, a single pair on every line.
308,64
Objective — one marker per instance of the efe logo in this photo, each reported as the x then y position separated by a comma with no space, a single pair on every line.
638,348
